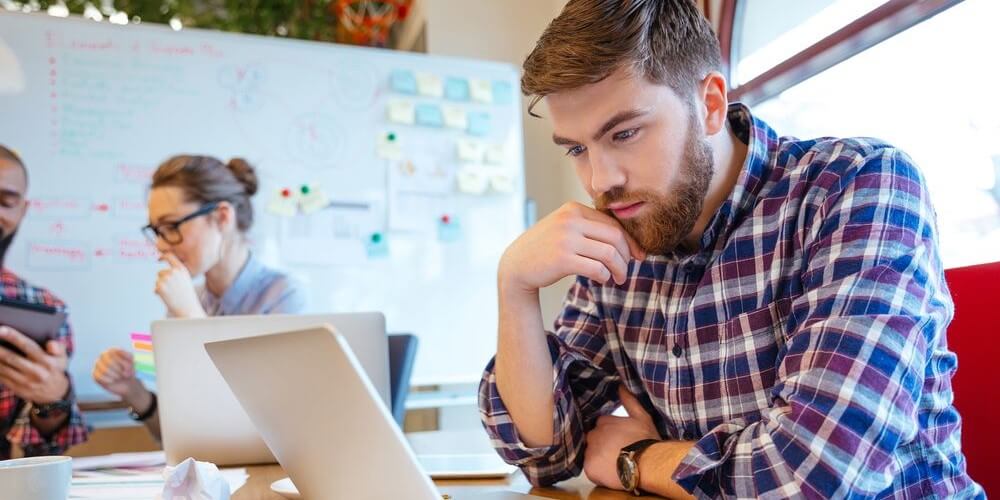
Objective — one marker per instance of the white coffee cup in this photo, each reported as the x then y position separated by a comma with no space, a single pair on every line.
36,478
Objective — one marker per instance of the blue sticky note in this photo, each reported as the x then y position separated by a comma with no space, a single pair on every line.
449,230
503,93
456,89
479,124
377,246
403,82
429,115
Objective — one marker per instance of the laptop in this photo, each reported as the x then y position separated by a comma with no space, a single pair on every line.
344,442
200,417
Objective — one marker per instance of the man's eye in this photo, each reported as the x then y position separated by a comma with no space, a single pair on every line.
625,135
575,151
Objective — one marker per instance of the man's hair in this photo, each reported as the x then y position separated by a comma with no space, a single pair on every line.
667,41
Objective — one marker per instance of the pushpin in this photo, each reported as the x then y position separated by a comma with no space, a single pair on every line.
445,219
376,237
305,189
285,193
391,137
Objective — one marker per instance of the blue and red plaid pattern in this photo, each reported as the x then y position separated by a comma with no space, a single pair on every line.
802,345
19,430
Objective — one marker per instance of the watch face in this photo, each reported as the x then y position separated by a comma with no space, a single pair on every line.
627,471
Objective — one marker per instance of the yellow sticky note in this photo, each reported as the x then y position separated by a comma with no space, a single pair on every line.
388,146
472,180
495,154
502,182
312,199
481,90
403,112
470,151
430,85
455,117
284,203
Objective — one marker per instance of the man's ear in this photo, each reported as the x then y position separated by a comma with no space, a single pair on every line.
715,97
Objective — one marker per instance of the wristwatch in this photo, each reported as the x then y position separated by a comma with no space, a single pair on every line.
628,464
141,417
53,409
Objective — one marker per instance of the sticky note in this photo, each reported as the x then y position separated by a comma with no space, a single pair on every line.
503,92
470,151
312,198
403,82
448,229
481,90
388,146
376,246
430,85
142,347
429,115
403,112
502,182
284,202
495,154
456,89
479,124
454,117
472,180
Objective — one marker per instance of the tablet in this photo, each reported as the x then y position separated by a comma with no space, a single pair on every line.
38,322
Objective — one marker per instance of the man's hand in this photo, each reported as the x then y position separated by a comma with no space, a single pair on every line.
176,289
611,434
573,240
40,375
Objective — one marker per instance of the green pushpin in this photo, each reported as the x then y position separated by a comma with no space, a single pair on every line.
391,136
376,237
305,189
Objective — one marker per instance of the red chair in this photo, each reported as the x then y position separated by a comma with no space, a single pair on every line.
974,335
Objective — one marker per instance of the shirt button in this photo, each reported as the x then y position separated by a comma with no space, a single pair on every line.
677,350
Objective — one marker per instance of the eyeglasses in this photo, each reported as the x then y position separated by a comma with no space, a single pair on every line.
170,232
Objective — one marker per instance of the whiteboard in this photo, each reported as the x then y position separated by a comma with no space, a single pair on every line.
413,166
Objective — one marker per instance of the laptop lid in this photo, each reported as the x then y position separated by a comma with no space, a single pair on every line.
200,417
342,442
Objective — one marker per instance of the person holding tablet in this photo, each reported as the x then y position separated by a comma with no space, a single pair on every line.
199,214
38,410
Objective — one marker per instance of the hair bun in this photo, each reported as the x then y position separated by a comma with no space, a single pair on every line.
244,173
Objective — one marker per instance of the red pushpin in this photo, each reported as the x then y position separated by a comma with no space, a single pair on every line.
285,193
445,219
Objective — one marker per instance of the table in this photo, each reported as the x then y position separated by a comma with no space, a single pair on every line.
258,487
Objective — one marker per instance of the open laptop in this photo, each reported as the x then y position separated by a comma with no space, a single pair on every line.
200,417
343,443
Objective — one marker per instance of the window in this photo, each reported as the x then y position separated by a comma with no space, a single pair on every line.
929,90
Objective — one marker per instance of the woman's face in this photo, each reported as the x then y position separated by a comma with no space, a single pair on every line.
201,237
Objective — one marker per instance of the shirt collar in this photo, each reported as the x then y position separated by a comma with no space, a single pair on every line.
231,298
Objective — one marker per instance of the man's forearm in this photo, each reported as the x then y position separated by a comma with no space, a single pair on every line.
658,463
524,368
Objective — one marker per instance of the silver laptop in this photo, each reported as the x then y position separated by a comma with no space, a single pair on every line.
200,417
343,443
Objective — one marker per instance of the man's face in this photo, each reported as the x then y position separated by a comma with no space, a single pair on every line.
640,152
13,201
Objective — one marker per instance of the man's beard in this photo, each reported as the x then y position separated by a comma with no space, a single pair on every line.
5,241
668,219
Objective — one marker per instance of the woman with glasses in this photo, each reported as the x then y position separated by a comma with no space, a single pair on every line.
199,214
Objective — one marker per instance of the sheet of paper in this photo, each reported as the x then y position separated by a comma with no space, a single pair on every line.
479,124
481,90
502,182
388,146
456,89
503,92
284,203
470,150
402,112
312,199
429,115
119,460
454,117
495,154
472,180
117,484
430,85
403,82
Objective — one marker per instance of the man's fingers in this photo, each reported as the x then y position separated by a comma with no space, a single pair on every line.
29,347
600,217
632,405
590,268
12,378
24,367
607,255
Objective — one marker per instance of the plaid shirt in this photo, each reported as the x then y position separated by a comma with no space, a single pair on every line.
13,422
802,345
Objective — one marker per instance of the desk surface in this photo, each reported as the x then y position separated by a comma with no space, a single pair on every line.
258,487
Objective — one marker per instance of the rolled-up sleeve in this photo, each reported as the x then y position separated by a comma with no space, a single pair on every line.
584,387
873,308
